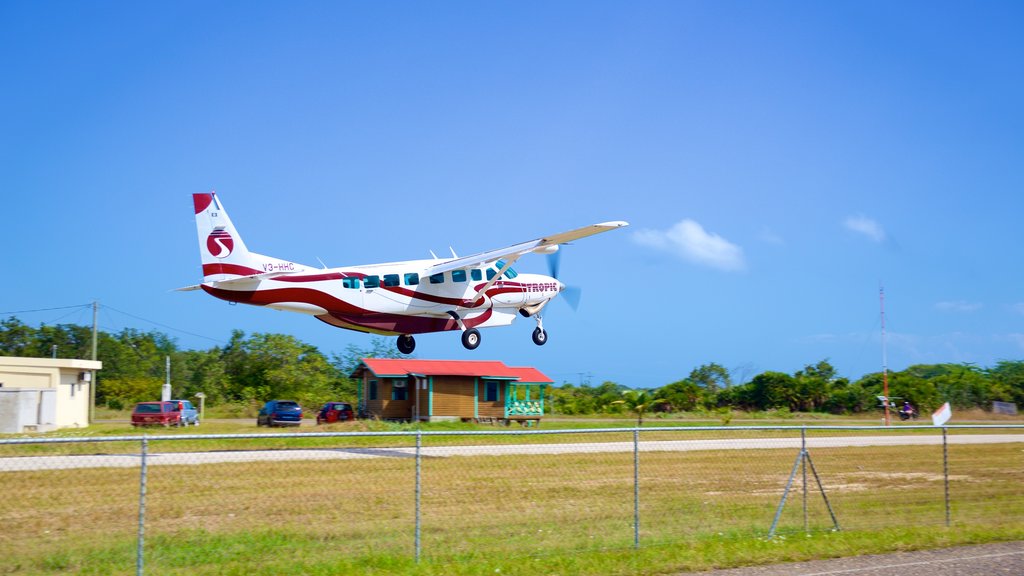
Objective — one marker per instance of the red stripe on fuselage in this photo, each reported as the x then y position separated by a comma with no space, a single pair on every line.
278,295
394,324
236,269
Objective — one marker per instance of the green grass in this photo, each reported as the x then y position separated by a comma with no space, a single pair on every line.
567,514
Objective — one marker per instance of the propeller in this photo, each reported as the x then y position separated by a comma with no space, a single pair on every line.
570,293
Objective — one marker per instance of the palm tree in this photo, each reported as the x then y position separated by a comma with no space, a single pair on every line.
640,401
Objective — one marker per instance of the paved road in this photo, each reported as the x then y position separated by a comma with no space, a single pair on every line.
194,458
1005,558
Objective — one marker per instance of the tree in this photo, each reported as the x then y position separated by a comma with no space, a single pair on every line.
683,395
639,402
712,377
813,385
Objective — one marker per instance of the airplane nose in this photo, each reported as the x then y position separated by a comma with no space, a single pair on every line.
561,286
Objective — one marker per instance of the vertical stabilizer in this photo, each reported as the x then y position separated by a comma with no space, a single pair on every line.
223,252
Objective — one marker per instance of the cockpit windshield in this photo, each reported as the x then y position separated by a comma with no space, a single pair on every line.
510,273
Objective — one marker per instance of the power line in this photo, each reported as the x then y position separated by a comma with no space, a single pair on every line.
45,309
108,307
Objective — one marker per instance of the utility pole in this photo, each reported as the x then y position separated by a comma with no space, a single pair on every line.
92,383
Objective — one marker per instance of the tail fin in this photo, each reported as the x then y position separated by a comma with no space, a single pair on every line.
224,254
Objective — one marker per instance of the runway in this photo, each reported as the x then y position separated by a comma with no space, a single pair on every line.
65,462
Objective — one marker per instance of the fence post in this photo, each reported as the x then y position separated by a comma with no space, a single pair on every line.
945,471
636,488
419,447
803,470
140,547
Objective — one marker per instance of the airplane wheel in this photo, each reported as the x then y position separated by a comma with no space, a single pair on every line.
471,339
406,344
540,337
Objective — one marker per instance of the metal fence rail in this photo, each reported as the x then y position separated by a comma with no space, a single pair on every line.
443,495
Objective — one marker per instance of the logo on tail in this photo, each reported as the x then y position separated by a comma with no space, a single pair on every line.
220,243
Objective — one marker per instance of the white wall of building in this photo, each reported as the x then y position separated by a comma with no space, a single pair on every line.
68,382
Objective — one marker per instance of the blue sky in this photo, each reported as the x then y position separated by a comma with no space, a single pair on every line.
777,161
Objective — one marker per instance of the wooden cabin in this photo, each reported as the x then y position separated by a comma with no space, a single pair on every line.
436,390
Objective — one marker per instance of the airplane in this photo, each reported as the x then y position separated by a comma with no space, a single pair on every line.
391,299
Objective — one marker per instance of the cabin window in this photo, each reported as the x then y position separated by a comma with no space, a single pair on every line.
350,282
412,279
373,389
391,280
476,274
490,274
490,391
437,278
458,275
371,281
399,390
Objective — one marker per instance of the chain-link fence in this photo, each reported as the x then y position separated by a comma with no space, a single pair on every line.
156,503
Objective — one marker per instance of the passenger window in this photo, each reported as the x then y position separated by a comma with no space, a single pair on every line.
350,282
491,273
476,274
458,275
371,281
391,279
437,278
412,279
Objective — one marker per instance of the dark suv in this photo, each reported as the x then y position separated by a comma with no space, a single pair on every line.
280,413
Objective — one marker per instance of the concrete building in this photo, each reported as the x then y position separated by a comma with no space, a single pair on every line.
43,394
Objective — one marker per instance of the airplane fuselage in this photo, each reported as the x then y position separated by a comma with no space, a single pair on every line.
393,298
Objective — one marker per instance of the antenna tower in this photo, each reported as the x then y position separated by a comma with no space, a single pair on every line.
885,359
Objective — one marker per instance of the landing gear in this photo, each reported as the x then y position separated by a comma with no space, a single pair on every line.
540,335
471,338
406,344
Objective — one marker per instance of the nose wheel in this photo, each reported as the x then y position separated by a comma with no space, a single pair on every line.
406,344
540,335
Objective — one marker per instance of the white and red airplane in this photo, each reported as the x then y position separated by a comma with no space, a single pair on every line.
394,299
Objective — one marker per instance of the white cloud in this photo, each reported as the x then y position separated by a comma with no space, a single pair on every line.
866,226
958,306
690,241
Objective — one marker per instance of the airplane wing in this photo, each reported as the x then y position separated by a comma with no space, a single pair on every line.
543,245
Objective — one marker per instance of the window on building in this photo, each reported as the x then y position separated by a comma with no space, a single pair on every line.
350,282
412,279
391,280
371,281
458,275
490,391
437,278
476,274
399,390
373,389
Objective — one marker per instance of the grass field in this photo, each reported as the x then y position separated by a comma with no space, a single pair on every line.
544,514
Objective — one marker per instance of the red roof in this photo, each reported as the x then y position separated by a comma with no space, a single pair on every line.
471,368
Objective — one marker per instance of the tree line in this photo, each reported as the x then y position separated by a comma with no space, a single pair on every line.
250,369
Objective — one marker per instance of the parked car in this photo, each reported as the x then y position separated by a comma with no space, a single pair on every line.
189,414
335,412
280,413
156,414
